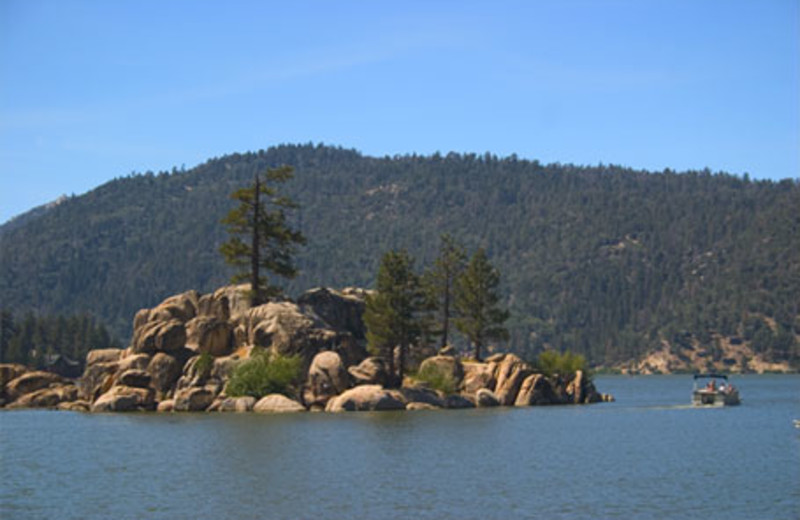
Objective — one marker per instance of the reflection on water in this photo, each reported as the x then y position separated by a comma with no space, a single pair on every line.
649,454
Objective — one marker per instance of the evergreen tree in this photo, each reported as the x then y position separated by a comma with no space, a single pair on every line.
476,299
261,218
7,331
393,313
439,283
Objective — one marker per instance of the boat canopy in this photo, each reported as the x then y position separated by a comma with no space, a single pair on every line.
709,376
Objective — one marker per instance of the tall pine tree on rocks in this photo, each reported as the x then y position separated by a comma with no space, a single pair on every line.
261,235
476,301
393,314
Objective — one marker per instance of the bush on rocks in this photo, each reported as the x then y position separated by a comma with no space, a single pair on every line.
265,374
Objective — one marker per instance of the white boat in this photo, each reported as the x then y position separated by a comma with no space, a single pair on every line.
714,390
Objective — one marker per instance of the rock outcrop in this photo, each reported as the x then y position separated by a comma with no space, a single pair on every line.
277,403
477,376
193,399
184,351
485,398
125,399
511,372
327,377
31,382
365,398
237,404
209,334
448,365
164,370
371,371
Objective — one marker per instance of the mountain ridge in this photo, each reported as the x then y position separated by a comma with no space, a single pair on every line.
603,260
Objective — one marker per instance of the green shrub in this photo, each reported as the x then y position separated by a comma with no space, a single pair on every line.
551,363
437,378
265,374
204,364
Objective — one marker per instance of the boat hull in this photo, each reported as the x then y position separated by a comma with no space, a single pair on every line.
708,398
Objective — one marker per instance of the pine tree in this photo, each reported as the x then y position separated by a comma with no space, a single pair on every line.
439,283
261,219
7,331
476,299
393,313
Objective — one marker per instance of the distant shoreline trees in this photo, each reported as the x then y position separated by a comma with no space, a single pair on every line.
34,340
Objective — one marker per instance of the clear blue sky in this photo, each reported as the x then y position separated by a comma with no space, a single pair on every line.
92,90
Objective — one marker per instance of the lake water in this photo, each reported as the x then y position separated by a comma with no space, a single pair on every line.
648,455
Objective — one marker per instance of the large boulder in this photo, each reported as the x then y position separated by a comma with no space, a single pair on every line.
575,388
196,372
49,397
103,355
423,395
124,399
496,358
237,404
559,387
477,376
9,372
536,390
237,297
208,334
167,405
193,399
133,377
421,406
214,306
31,382
181,307
224,366
341,310
277,403
581,390
164,371
366,398
159,336
458,402
485,398
448,365
74,406
327,377
134,362
284,328
511,372
371,371
96,380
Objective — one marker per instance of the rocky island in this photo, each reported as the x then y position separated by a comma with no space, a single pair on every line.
184,351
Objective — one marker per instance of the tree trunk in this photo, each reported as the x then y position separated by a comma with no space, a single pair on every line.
402,360
390,368
446,311
255,286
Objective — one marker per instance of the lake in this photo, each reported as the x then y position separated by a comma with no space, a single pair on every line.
647,455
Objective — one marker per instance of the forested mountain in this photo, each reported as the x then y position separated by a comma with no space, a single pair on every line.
604,260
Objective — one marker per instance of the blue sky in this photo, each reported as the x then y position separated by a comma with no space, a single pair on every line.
92,90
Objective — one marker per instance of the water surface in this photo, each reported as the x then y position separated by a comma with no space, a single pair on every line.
648,455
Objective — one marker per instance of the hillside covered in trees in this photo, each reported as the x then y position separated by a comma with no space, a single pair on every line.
605,261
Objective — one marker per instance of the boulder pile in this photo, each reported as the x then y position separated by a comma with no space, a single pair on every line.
184,350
